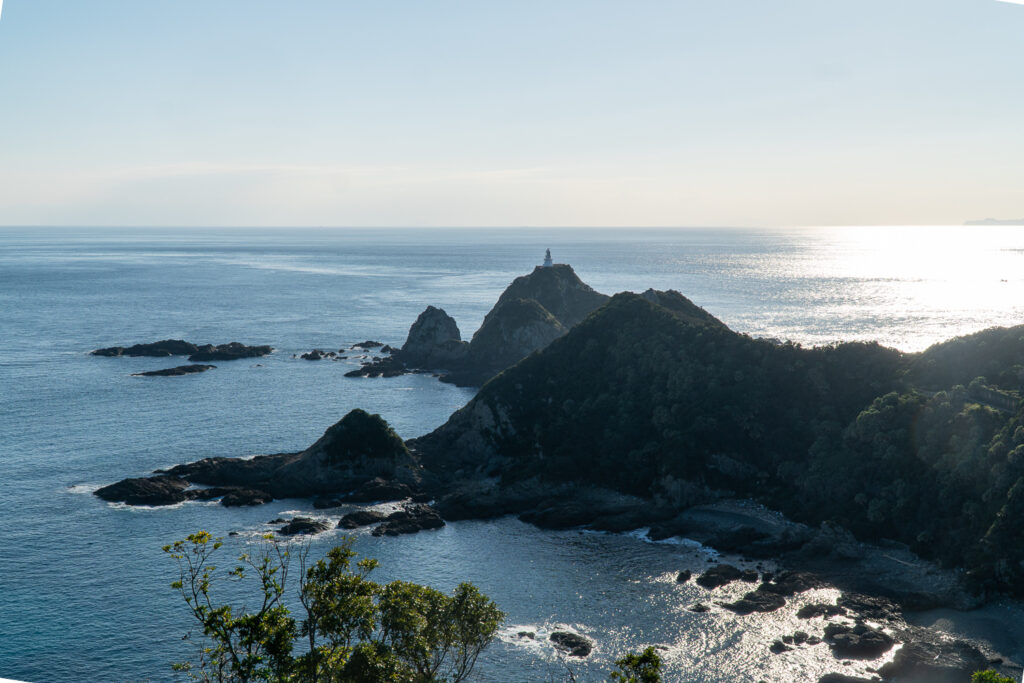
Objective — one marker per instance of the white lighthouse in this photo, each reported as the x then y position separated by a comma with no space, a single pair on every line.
547,258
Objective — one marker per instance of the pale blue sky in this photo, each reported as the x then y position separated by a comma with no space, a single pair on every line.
524,112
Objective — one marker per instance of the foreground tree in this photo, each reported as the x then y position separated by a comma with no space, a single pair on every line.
353,629
638,668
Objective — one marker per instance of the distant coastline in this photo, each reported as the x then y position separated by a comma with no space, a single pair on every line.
997,221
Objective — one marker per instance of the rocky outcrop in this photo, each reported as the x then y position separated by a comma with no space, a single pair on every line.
358,449
243,497
146,491
179,347
167,347
572,643
170,490
718,576
360,518
231,351
858,642
175,372
434,341
303,525
411,518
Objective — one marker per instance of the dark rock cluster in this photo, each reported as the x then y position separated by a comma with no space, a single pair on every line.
179,347
175,372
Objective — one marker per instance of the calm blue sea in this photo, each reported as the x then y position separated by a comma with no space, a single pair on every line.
84,592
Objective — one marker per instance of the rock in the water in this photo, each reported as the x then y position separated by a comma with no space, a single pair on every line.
378,490
778,647
231,351
818,610
858,642
573,643
434,341
175,372
684,576
719,575
411,518
303,525
244,497
368,344
699,607
757,601
354,520
315,354
178,347
167,347
790,583
146,491
869,606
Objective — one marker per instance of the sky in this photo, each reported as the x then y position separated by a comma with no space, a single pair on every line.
516,113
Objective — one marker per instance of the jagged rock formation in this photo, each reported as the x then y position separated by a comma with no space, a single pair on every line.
434,341
532,312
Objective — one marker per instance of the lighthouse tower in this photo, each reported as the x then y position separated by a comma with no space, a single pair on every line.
547,259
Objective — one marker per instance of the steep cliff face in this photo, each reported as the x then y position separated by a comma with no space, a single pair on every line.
558,289
434,341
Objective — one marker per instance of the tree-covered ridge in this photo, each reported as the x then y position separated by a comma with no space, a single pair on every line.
638,398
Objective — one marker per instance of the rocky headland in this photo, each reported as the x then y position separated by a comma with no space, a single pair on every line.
882,473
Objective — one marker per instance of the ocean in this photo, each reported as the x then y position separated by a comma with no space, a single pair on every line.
84,585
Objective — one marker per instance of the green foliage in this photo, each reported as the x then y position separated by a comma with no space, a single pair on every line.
990,676
354,630
638,668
